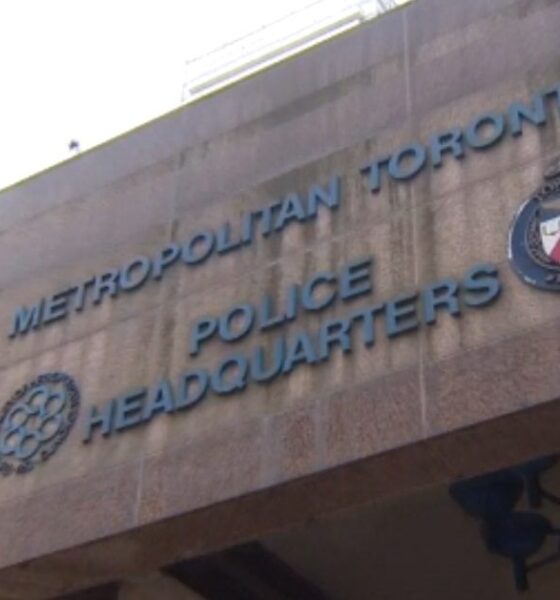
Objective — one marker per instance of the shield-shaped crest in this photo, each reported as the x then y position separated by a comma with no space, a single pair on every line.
549,228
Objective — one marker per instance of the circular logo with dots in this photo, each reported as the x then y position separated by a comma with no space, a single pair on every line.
35,422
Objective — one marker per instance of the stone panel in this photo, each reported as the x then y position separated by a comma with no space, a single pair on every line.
75,512
487,382
429,20
521,42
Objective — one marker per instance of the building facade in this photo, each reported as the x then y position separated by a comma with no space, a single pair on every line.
248,347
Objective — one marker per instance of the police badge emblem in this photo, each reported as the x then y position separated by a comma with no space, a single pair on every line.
534,236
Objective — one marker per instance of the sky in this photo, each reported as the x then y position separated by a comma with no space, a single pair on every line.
92,69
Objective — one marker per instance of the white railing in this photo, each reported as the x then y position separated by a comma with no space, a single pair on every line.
276,41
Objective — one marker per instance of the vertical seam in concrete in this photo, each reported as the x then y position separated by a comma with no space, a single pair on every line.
408,96
173,217
421,339
267,463
422,389
138,499
320,433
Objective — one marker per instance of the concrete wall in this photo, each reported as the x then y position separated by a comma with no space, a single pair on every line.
407,412
155,586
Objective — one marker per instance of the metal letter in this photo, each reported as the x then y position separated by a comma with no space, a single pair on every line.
373,172
160,399
417,154
400,315
203,329
308,301
448,141
164,259
185,400
237,382
142,265
355,279
329,197
442,294
535,114
246,313
494,120
26,318
99,418
481,285
205,239
300,349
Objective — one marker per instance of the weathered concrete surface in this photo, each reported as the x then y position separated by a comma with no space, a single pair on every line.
155,585
380,422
